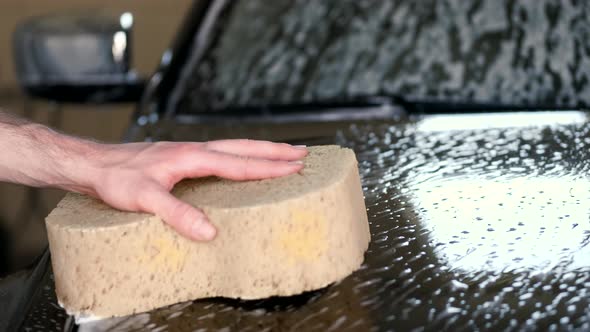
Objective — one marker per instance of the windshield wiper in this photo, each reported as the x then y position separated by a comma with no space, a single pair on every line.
357,109
360,108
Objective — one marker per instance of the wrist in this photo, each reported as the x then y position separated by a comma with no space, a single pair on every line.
35,155
77,162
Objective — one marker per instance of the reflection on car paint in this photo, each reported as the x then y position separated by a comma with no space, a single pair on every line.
439,256
507,223
473,121
501,215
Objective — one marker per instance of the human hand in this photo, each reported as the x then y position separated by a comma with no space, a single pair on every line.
136,176
139,176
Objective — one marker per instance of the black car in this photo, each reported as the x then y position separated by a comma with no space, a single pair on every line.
469,122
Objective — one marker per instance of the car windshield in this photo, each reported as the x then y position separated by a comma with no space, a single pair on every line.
292,52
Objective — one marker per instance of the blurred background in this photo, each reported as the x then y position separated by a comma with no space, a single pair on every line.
22,209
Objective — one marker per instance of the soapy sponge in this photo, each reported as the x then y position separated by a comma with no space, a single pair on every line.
276,237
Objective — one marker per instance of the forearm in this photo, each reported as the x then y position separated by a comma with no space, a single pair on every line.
34,155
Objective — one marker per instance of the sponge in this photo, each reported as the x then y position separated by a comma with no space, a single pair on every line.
276,237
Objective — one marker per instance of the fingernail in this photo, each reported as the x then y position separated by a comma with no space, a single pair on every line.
205,231
296,162
300,146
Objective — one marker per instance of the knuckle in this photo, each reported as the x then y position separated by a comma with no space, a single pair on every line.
244,142
247,167
149,198
205,146
143,200
181,212
162,145
166,179
181,148
194,226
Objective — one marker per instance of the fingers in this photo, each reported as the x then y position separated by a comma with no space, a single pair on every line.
235,167
184,218
258,149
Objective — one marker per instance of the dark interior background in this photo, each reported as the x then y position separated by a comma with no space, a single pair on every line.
22,229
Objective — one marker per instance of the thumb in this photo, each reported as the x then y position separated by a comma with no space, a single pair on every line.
184,218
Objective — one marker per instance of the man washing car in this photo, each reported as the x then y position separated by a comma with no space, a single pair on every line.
136,176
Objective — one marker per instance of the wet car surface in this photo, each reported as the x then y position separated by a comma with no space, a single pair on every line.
477,221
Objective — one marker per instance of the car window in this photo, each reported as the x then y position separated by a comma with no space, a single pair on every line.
284,52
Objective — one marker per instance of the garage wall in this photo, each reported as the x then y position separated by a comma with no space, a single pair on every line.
22,234
155,23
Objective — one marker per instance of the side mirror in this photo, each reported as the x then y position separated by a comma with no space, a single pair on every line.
77,58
